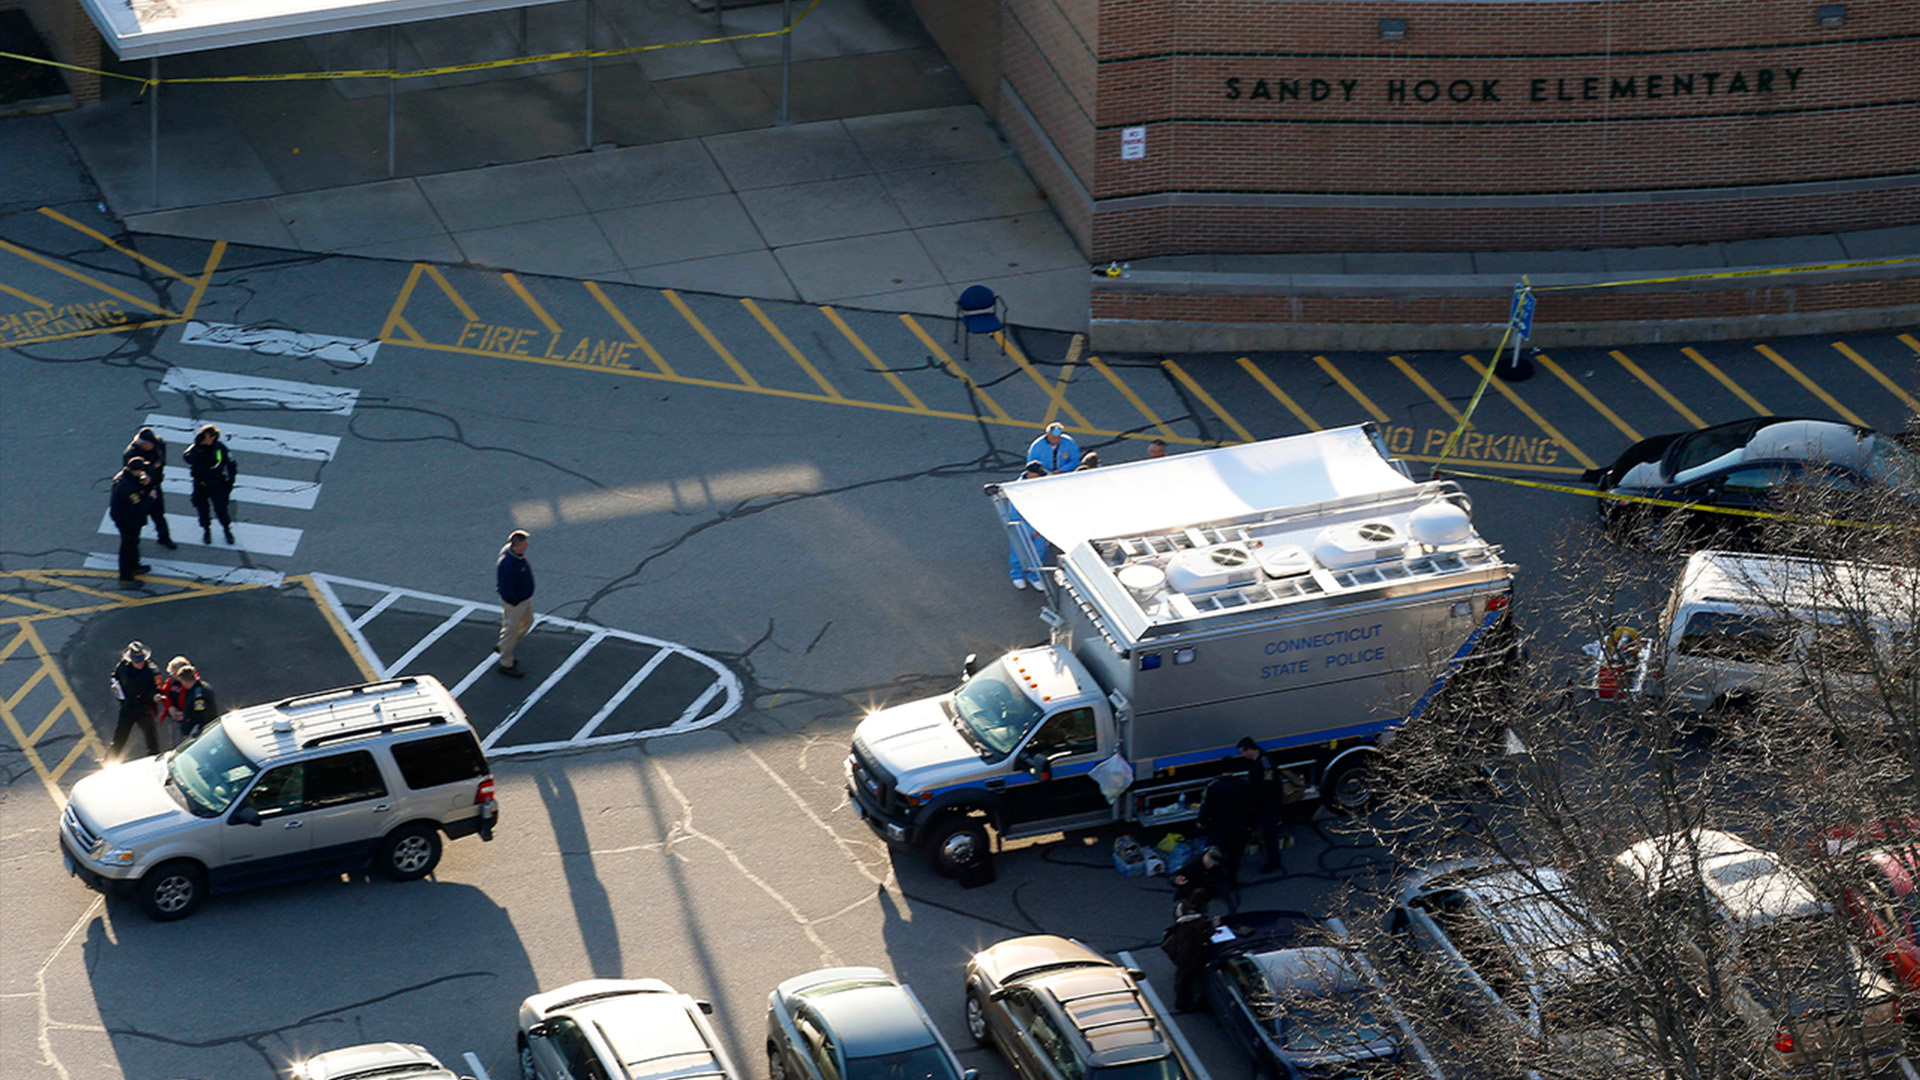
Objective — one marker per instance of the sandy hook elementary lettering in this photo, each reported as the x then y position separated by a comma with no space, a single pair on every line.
1650,86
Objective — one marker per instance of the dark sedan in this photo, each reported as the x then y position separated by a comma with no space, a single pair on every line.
1745,464
1304,1004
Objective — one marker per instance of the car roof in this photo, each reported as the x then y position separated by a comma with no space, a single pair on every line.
1752,886
387,1059
1014,957
872,1019
1771,583
1789,439
1105,1009
652,1035
1315,969
342,717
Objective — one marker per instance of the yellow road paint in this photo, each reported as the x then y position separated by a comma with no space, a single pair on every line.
1910,341
1653,384
1538,420
706,335
49,212
874,363
1735,388
1278,394
1587,396
1867,366
1126,391
35,605
47,670
47,322
620,319
540,313
521,341
1426,388
305,581
1353,391
400,302
446,287
1811,387
1206,399
123,297
940,354
1059,395
1056,392
44,305
1537,452
798,357
214,256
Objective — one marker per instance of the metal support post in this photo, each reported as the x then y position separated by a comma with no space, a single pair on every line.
786,61
393,85
590,37
153,127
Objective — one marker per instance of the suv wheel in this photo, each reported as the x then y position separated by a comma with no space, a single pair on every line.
527,1071
410,852
172,891
776,1065
976,1017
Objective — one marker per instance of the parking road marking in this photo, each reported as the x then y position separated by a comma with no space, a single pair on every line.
1353,391
1654,385
1540,421
533,305
620,318
1206,399
859,345
46,670
1587,396
1867,366
1811,387
1278,394
707,336
1127,391
1738,391
787,344
1426,388
940,354
254,390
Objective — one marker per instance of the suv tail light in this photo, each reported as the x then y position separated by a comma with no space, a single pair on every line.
1498,602
484,793
1783,1040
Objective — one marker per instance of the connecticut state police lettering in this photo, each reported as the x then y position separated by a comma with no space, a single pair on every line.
1463,89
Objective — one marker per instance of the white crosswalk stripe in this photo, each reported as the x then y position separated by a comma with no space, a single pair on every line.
219,575
264,490
274,341
246,439
254,390
252,538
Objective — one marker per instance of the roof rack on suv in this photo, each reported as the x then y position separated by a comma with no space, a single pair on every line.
391,726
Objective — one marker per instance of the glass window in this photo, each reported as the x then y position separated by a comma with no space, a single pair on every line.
343,778
1755,479
1726,635
921,1063
995,709
1842,648
280,791
1053,1046
1071,732
441,759
210,770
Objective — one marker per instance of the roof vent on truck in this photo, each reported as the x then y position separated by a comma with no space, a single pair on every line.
1341,546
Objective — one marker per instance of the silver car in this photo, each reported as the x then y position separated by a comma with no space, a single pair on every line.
374,1061
619,1029
854,1023
364,776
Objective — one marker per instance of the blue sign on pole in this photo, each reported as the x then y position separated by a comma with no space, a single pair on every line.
1521,315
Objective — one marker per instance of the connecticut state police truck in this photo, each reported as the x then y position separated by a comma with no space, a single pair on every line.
1303,591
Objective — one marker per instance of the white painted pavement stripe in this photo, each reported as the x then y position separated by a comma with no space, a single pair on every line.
247,536
579,653
274,341
252,389
368,615
693,711
261,490
247,439
346,621
633,682
1167,1018
426,643
479,1071
221,575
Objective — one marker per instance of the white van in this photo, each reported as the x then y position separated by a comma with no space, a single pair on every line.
1741,627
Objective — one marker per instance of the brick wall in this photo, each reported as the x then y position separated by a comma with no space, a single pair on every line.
71,35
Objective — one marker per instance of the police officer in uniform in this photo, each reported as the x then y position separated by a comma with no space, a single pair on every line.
193,697
128,506
151,448
213,472
136,685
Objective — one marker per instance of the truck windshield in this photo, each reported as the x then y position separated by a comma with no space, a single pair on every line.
995,710
210,771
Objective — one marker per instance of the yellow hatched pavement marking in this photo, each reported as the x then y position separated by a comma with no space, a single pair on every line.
1206,399
400,303
1539,421
533,305
459,302
26,635
798,357
940,354
1126,391
1910,341
1812,387
306,582
1055,392
1587,396
620,318
1353,391
1867,366
707,335
28,297
886,372
1066,376
53,582
75,275
1653,384
1725,380
1278,394
102,238
1426,388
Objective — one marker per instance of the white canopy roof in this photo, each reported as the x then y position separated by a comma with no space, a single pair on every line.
1207,485
149,28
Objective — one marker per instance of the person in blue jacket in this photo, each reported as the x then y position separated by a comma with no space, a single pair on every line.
1055,450
1021,577
513,578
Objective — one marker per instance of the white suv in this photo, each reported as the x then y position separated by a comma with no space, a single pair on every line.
369,775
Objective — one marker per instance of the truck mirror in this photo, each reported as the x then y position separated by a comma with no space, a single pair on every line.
538,1031
704,1006
970,666
246,815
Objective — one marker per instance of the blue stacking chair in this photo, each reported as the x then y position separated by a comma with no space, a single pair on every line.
980,311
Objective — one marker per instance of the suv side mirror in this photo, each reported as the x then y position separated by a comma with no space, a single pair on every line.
1036,763
704,1006
970,1074
538,1031
970,666
246,815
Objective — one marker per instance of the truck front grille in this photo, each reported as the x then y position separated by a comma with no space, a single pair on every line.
82,838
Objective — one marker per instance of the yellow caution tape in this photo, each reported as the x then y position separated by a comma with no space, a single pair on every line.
1673,504
1770,271
384,73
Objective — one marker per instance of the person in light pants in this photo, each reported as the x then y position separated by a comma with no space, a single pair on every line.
513,578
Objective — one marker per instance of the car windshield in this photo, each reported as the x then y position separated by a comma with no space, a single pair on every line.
210,771
1315,1022
1892,465
922,1063
995,710
1164,1068
1696,448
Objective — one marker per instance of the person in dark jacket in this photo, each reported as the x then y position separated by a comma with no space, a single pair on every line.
1274,788
1185,942
190,700
513,578
127,506
136,687
1227,816
151,448
213,471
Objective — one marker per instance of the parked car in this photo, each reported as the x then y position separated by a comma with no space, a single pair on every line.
1814,1001
620,1029
854,1023
1882,898
1524,954
1744,464
384,1061
1304,1003
1055,1008
363,776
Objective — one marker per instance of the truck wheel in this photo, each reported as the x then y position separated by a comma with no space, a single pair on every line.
172,890
1353,785
410,852
958,845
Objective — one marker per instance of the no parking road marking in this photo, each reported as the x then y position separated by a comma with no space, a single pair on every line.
699,692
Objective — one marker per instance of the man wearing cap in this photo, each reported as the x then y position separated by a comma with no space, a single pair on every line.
136,686
513,579
1055,450
149,447
129,506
